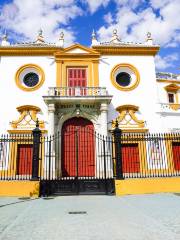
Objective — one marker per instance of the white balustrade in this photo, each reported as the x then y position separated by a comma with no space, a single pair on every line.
168,76
77,91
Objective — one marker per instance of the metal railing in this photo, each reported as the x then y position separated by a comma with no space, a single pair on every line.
77,91
90,156
16,153
168,107
150,155
168,76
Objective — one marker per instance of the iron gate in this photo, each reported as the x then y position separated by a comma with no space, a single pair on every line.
77,161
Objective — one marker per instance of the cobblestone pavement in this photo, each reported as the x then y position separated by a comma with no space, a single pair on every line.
138,217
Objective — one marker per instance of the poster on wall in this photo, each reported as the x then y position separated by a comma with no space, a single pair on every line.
3,155
156,155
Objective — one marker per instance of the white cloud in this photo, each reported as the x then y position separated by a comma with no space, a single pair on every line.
130,3
93,5
159,3
133,24
26,17
108,18
163,63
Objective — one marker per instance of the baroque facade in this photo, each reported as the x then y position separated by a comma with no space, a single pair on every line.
107,81
79,95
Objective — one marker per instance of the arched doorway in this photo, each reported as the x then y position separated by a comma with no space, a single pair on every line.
78,148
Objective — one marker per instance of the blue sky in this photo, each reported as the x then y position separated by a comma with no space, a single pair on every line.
77,18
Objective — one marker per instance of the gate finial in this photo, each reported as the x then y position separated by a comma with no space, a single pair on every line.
116,123
37,123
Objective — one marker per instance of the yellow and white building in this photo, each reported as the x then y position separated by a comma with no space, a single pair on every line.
119,82
93,86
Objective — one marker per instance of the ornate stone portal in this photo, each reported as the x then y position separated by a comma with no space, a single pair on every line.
96,113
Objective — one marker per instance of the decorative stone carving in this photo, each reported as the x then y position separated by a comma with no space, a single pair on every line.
27,119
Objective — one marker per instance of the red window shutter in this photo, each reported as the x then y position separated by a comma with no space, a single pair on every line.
77,77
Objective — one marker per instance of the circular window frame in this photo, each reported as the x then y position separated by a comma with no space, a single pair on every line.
114,74
38,70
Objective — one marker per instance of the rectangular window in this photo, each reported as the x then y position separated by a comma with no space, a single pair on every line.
77,77
77,81
171,97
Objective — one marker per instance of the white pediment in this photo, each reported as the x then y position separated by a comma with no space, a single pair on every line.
77,50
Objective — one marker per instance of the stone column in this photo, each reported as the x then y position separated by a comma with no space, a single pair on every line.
51,162
104,117
51,111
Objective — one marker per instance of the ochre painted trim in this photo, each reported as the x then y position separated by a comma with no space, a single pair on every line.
172,88
96,73
24,131
136,130
58,73
127,50
122,65
147,185
130,110
168,81
127,107
65,59
29,51
28,107
77,64
77,56
19,188
41,76
175,106
24,111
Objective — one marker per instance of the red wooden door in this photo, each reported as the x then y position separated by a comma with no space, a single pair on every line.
77,78
176,155
24,159
78,155
130,158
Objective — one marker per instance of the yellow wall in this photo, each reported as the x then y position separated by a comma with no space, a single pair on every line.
19,188
148,185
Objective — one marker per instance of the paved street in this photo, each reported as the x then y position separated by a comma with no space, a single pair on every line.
138,217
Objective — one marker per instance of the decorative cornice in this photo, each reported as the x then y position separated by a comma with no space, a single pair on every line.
168,81
28,107
172,88
70,56
127,107
29,51
127,50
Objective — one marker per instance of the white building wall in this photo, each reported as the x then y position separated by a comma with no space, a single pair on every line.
170,117
145,95
148,95
12,97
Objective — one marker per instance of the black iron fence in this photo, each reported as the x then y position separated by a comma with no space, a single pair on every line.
81,154
16,153
150,155
88,155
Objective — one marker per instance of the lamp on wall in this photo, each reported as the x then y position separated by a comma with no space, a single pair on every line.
77,110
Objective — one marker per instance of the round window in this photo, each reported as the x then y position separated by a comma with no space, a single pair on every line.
31,79
125,77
